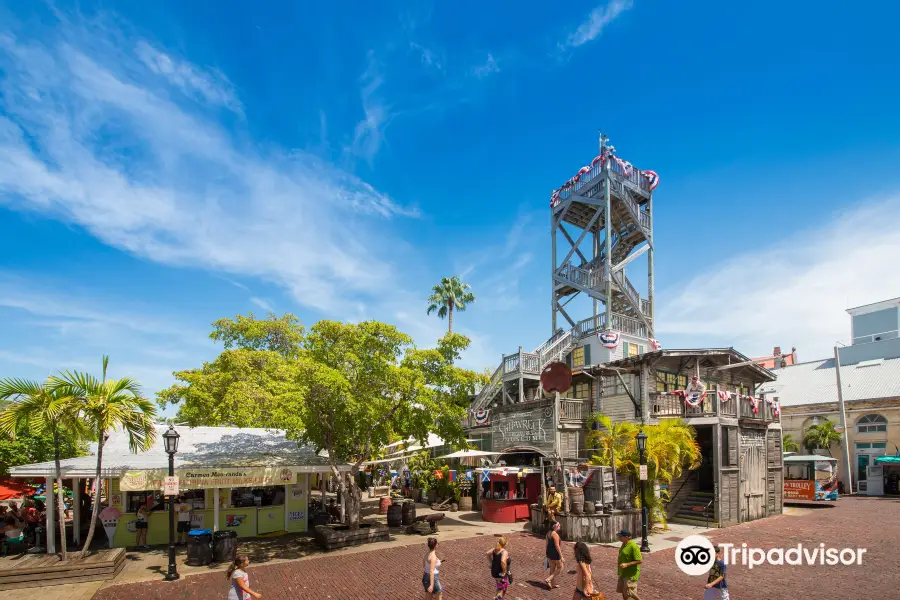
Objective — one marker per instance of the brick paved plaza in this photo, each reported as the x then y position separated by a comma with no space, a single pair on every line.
394,573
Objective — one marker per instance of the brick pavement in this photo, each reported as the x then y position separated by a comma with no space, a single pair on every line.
394,573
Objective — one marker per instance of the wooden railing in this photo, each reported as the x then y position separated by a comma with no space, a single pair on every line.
573,410
663,404
764,411
634,178
588,277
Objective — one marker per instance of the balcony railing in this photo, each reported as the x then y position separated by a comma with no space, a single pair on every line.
573,410
634,178
664,404
764,412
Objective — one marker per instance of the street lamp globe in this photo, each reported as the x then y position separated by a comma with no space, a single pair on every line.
641,441
170,437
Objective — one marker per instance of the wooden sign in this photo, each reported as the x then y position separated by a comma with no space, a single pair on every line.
534,427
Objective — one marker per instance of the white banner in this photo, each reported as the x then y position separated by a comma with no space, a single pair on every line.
199,479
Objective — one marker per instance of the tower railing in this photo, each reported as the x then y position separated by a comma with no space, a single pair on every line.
634,178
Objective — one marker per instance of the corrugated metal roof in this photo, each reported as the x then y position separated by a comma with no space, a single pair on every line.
211,447
816,382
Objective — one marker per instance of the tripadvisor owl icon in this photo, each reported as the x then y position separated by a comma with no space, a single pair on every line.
694,555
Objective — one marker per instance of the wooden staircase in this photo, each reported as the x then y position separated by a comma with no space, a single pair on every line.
699,508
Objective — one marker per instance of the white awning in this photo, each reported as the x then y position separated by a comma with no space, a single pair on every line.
468,454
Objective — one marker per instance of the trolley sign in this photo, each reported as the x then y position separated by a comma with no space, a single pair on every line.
170,486
643,476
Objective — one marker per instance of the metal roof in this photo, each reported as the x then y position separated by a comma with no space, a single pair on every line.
725,356
816,382
209,447
808,458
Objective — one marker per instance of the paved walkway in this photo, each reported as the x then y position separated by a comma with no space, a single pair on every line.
395,572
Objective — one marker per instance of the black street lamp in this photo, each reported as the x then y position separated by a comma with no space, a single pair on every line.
642,446
170,438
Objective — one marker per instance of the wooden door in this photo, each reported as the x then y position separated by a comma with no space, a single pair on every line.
753,474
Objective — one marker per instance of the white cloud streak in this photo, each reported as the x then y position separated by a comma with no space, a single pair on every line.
369,133
487,68
793,292
596,22
260,302
185,191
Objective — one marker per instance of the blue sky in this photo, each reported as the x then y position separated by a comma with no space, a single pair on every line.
166,164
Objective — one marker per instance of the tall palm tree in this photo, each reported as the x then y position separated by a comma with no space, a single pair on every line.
789,444
613,437
449,295
820,437
109,405
44,410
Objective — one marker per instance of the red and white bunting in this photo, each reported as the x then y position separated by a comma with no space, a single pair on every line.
609,339
482,417
654,343
627,168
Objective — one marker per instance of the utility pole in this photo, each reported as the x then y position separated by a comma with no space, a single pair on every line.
846,438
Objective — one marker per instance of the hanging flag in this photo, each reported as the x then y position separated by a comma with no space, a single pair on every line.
485,476
652,179
654,343
693,398
468,475
609,339
452,475
438,474
482,417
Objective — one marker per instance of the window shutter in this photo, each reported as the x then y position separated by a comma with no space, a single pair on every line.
569,360
625,349
587,354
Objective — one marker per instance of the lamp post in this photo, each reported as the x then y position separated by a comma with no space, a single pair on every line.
642,446
170,437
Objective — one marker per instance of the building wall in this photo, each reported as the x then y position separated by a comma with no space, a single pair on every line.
888,347
797,419
885,321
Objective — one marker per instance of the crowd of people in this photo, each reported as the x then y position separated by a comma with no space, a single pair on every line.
21,524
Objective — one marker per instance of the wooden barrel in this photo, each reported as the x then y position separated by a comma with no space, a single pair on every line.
465,503
408,512
395,515
576,499
383,505
588,508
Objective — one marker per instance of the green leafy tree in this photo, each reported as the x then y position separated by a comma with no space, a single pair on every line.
282,334
789,444
44,410
28,447
449,295
821,436
671,448
109,405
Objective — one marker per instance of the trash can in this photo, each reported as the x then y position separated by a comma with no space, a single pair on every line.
224,546
199,548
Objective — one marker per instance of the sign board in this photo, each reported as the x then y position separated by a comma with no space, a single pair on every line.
532,427
170,486
296,515
109,517
201,479
297,491
799,489
643,476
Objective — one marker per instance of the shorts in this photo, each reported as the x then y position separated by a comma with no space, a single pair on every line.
140,524
426,579
715,594
627,585
184,526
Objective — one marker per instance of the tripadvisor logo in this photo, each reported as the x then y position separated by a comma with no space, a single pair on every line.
695,555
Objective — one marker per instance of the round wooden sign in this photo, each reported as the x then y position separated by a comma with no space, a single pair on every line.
556,377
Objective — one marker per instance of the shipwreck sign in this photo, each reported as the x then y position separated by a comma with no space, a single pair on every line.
534,426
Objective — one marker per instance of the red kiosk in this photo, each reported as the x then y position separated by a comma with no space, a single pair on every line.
508,493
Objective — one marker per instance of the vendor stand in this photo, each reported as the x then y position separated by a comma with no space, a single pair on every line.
251,481
507,492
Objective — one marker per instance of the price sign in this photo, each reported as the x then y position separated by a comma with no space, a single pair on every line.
170,486
643,472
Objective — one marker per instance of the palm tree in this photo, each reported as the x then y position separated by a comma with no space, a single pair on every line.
789,444
820,437
613,436
108,405
45,411
449,295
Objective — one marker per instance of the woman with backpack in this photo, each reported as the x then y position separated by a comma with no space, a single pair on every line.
554,554
500,565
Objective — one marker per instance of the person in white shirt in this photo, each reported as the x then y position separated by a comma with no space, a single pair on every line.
183,510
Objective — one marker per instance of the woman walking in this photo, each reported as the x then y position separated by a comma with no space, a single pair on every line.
430,581
554,554
500,564
240,581
141,524
584,579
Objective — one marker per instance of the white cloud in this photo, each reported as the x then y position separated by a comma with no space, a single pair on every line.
488,67
426,55
596,22
792,292
369,133
186,192
262,304
211,86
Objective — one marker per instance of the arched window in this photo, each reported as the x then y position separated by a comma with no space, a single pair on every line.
871,424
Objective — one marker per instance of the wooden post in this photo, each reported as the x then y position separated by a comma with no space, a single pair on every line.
553,225
521,376
50,530
287,498
717,473
215,509
650,282
607,224
76,511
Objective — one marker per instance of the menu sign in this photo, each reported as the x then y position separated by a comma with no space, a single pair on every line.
533,427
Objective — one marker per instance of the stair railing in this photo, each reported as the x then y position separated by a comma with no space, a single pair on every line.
686,479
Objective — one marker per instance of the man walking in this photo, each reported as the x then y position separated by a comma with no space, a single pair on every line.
716,587
629,566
